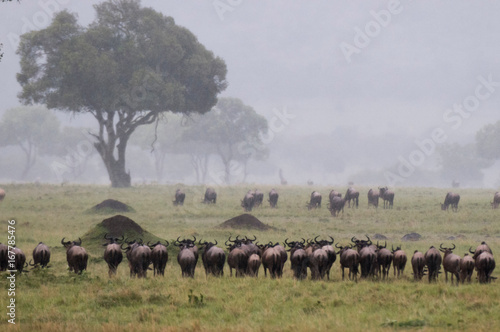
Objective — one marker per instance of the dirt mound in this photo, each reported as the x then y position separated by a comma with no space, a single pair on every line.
112,205
411,237
119,224
246,221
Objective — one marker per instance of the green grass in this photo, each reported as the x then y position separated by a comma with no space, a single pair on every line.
55,300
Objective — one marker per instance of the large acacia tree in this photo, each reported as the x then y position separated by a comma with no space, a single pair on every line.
126,68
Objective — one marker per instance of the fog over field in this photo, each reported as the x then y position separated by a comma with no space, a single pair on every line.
357,91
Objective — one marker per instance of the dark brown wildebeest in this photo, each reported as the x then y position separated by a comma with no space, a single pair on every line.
367,256
433,261
4,257
333,193
336,205
112,254
283,258
418,265
189,244
271,260
186,258
237,258
349,258
273,198
248,246
248,202
2,194
76,255
384,260
451,199
318,262
387,196
480,249
373,197
298,258
466,268
485,264
41,255
210,196
139,261
330,251
399,261
19,259
352,194
258,197
315,201
451,263
496,200
179,197
213,258
253,265
159,257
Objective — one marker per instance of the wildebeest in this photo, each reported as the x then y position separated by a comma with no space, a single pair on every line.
418,264
333,193
387,196
2,194
330,251
298,258
485,264
179,197
237,259
248,201
384,260
399,261
480,249
349,258
271,260
186,258
273,198
41,255
112,254
433,261
248,246
4,257
466,268
451,263
76,255
496,200
253,265
139,260
373,197
352,194
210,196
315,201
367,256
258,197
19,259
213,258
159,257
336,205
451,199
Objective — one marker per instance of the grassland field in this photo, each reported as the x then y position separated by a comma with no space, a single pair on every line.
56,300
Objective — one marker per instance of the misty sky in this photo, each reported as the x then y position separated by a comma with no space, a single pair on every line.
410,61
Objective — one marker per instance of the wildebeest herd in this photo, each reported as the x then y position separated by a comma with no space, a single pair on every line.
245,256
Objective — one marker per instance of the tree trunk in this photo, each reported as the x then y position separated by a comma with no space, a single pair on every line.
115,166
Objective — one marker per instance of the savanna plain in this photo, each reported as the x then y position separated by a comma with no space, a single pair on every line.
55,299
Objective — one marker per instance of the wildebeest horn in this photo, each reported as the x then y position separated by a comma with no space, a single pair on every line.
237,238
254,238
227,245
62,241
177,240
79,241
121,247
232,240
286,242
194,237
215,242
303,241
167,243
337,246
353,239
385,244
453,246
392,248
30,263
316,239
332,240
441,247
368,239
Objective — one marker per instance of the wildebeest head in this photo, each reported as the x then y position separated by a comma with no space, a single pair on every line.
69,244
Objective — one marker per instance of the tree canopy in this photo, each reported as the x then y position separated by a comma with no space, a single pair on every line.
488,141
126,68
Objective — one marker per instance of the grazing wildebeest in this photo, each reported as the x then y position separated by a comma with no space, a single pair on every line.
210,196
433,261
76,255
349,258
179,197
352,194
112,254
373,197
451,199
387,196
466,268
2,194
258,197
418,265
496,200
273,198
384,260
315,201
485,264
333,193
213,258
159,257
451,263
480,249
186,258
399,260
336,205
253,265
298,258
4,257
19,259
248,201
237,259
41,255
